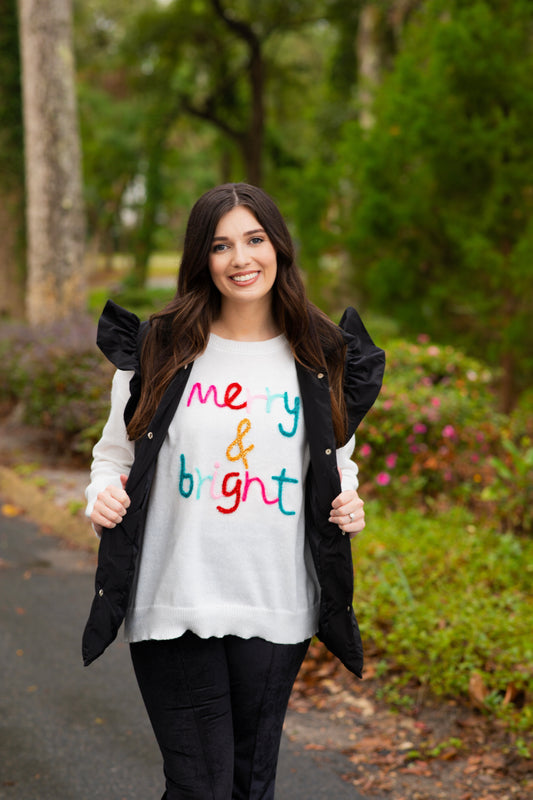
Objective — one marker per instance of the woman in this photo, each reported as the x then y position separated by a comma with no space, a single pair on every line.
225,465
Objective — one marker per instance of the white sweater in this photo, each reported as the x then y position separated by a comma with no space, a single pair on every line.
224,549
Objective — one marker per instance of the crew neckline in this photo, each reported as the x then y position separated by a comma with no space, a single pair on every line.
219,343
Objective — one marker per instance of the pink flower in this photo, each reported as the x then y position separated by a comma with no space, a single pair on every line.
365,450
387,405
435,402
383,479
449,432
391,460
433,350
419,427
423,338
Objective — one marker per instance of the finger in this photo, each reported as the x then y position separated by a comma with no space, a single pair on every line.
350,523
353,511
105,501
124,480
100,521
110,509
118,494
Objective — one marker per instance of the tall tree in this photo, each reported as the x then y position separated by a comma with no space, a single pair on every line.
11,166
55,221
215,63
440,221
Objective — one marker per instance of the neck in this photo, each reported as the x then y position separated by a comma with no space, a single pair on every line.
245,323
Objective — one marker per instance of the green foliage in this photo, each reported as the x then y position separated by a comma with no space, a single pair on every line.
443,597
59,380
438,193
142,302
510,491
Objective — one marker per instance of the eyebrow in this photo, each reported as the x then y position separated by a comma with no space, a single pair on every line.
247,233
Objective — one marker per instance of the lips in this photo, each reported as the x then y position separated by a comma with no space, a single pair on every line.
244,278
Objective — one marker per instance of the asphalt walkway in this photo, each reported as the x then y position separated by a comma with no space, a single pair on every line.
74,733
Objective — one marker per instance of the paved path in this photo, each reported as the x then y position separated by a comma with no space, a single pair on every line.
71,733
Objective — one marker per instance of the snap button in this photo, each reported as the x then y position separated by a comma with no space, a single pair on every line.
150,435
328,451
100,592
320,375
349,609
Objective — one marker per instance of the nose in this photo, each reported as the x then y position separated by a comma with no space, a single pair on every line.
241,255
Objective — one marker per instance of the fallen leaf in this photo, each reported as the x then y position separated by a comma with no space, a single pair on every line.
315,747
511,694
493,761
477,690
420,768
9,510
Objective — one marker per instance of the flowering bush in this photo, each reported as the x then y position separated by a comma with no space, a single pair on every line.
433,429
58,380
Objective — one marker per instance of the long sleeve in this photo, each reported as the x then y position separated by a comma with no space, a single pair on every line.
113,454
348,468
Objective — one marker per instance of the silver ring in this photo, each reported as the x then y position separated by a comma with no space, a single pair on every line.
352,516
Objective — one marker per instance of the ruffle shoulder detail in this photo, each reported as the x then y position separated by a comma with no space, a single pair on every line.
364,368
118,336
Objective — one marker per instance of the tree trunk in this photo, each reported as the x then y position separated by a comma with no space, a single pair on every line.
54,208
370,59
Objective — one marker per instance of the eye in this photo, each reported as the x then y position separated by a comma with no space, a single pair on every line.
256,240
219,248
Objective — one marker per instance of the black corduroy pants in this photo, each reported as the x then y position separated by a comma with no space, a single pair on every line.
217,708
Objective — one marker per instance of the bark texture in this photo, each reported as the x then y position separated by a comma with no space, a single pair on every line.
54,210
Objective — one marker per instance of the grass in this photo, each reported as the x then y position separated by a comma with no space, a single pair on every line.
444,598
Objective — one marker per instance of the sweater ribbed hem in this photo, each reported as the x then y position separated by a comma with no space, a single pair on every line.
278,626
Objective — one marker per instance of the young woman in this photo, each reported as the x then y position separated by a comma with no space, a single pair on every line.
225,497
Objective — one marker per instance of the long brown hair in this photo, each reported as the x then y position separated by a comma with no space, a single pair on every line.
178,334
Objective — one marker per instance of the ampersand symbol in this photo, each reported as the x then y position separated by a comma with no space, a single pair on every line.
242,429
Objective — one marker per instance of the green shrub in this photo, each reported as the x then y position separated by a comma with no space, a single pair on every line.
142,302
443,597
59,379
510,490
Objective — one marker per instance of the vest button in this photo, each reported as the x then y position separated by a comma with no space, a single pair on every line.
150,435
320,375
328,451
100,592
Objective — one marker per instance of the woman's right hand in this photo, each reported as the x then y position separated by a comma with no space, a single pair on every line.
110,506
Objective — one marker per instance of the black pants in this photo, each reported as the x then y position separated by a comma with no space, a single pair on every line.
217,708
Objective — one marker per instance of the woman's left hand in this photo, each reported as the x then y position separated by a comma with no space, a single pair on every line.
347,512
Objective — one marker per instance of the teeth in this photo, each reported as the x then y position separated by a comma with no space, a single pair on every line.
242,278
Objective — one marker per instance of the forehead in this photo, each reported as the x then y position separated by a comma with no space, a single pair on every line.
237,221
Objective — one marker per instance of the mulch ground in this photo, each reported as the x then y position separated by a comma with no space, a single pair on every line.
437,749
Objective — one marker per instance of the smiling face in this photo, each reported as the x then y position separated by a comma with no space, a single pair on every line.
242,260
